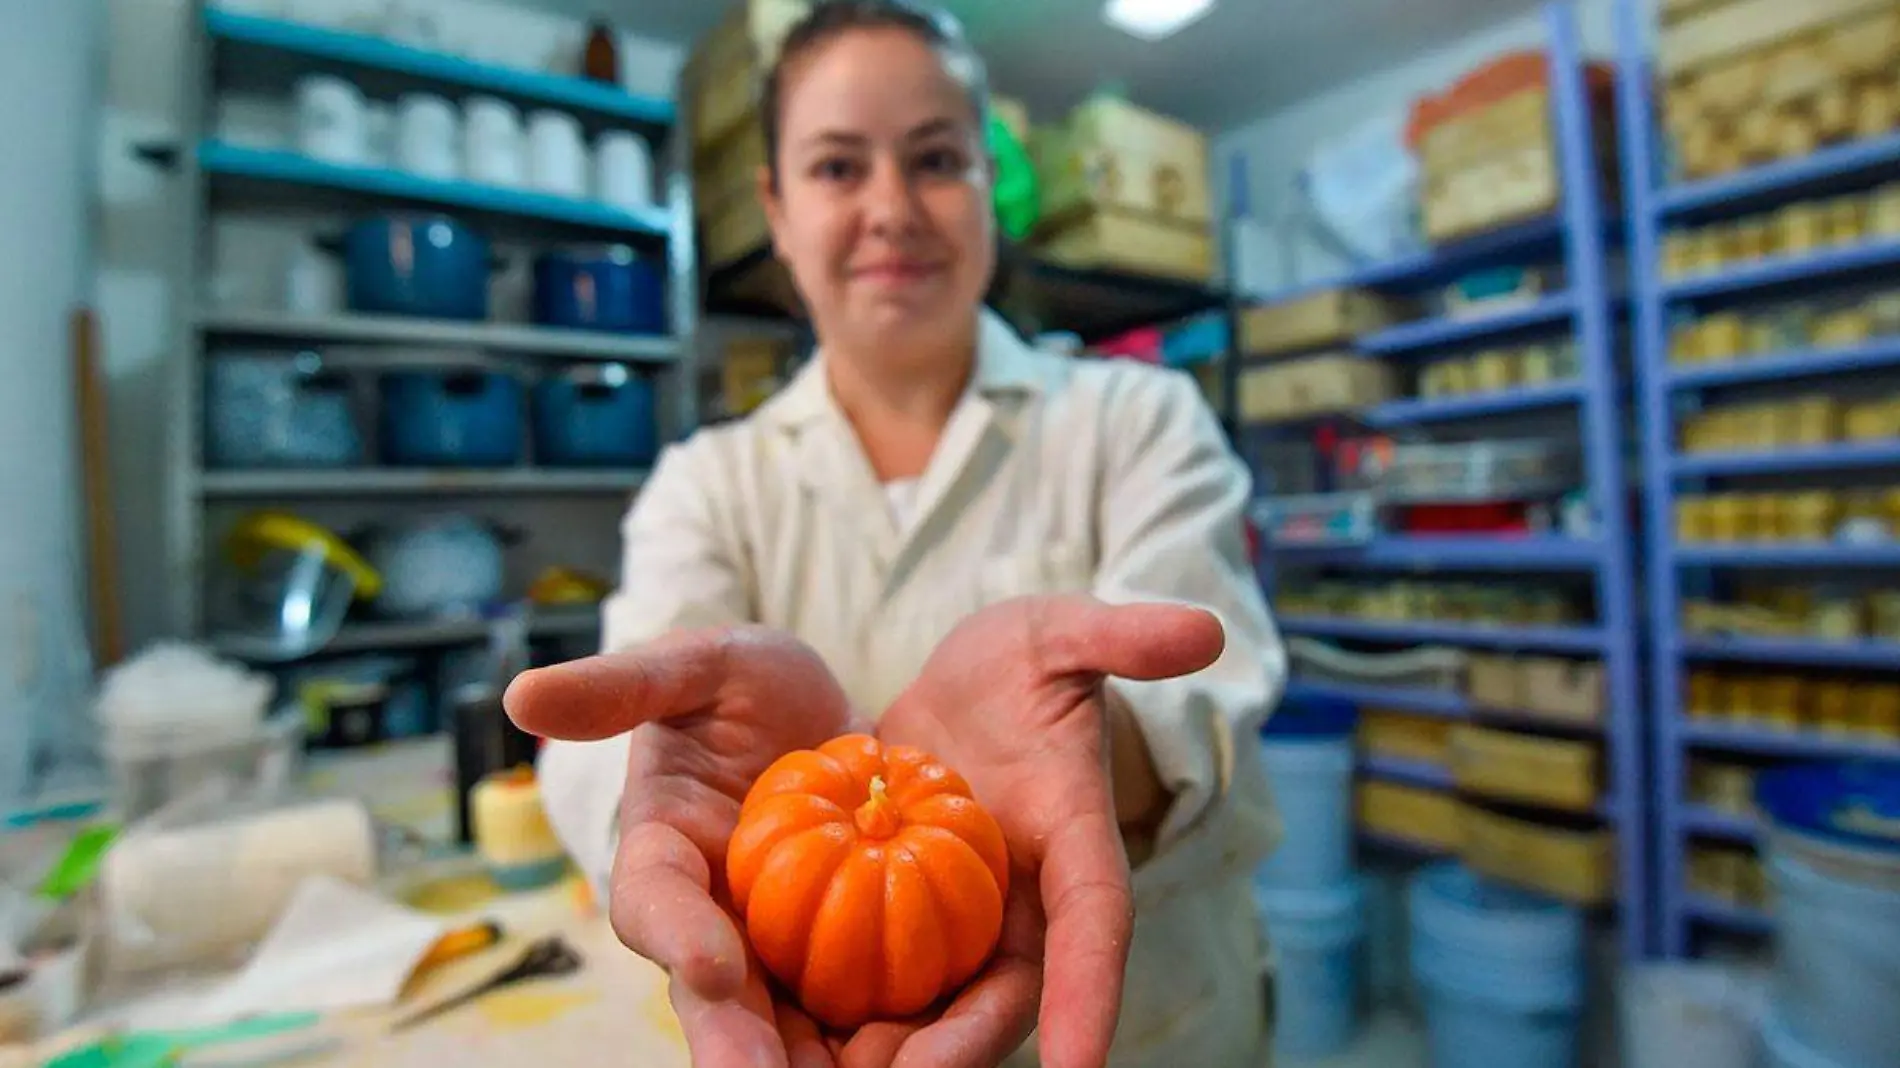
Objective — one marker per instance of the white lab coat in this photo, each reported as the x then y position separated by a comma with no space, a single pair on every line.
1054,474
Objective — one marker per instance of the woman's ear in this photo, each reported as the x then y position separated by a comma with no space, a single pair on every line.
769,202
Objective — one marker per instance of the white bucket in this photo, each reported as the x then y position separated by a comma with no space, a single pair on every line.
1311,780
1316,937
1787,1051
1837,961
1689,1016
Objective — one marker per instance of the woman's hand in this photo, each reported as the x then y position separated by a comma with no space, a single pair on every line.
1013,700
709,710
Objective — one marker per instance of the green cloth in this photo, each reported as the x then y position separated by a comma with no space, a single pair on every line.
1017,197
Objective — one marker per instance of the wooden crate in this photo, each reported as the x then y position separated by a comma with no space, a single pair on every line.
1115,240
1112,155
722,78
1575,866
1427,817
1520,767
1316,386
1328,318
1571,690
1406,737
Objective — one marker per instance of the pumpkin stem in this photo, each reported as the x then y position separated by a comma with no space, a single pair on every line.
877,817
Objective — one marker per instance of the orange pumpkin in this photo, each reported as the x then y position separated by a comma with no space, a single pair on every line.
871,882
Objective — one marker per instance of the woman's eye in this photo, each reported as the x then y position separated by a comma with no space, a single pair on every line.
941,162
835,169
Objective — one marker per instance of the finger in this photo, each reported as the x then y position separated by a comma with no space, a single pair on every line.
1075,635
875,1045
804,1044
662,908
988,1022
1091,917
600,696
723,1033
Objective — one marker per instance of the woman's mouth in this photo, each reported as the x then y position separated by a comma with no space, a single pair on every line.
895,272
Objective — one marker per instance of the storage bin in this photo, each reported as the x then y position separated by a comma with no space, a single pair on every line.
1316,386
261,766
1326,319
1574,866
1109,240
1474,471
1111,155
451,418
595,415
1316,938
278,411
1522,767
1311,781
1427,817
1571,690
1501,972
1406,737
1496,682
1317,519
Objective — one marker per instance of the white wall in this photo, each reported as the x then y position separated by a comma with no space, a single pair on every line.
145,42
1277,145
47,54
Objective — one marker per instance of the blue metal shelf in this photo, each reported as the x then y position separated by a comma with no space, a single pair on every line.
1519,242
1790,555
1418,773
1805,652
1444,704
1474,405
1651,208
285,49
1878,355
1777,271
1404,846
1842,456
1427,334
1455,553
1495,636
224,161
1828,171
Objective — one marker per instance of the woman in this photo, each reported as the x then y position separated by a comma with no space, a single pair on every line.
926,530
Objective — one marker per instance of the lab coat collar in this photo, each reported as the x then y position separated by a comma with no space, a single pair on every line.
1004,364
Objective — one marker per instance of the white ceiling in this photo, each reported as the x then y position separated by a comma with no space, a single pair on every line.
1245,59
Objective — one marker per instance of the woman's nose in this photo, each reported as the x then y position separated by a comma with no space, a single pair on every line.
890,201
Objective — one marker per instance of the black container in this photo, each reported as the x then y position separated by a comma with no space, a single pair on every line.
486,741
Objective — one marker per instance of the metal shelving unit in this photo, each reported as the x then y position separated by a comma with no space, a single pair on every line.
1575,235
265,56
1668,390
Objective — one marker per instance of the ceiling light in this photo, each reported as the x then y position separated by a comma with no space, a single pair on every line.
1151,20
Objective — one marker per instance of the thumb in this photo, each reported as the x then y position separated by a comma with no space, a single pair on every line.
1150,640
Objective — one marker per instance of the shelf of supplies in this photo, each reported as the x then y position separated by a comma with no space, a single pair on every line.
233,165
1777,271
1445,332
1473,405
1715,823
259,51
1753,738
437,634
1839,456
1829,170
1718,913
361,329
1518,243
404,482
1809,652
1452,552
1818,555
1498,636
1445,704
1420,773
1099,303
1877,355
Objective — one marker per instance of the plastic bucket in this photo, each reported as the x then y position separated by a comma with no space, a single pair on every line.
1787,1051
1837,972
1501,972
1316,937
1311,780
1689,1016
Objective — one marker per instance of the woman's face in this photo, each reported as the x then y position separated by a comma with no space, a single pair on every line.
882,209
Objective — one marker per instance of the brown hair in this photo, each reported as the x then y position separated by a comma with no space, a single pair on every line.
830,19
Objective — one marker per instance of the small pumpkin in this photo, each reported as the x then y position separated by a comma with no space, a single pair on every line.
871,882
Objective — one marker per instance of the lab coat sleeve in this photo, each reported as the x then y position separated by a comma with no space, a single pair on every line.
677,570
1172,528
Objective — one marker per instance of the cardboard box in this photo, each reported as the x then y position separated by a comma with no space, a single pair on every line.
1565,689
1748,26
722,78
1316,386
1329,318
1548,772
1496,682
1112,155
1117,241
1576,866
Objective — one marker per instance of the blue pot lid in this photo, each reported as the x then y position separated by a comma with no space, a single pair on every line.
1850,802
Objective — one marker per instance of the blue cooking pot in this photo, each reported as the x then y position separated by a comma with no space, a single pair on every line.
600,288
422,265
595,416
441,418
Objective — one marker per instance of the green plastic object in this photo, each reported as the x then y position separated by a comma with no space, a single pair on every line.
77,866
1018,196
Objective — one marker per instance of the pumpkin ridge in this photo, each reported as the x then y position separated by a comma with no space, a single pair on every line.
794,876
774,820
967,821
927,909
846,936
968,899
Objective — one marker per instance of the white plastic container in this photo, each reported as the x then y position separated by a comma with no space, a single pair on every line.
1837,959
1311,780
623,170
1784,1050
259,765
332,120
1689,1016
1316,938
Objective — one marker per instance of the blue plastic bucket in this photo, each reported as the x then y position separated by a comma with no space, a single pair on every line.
1501,972
1785,1050
1306,751
1316,937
